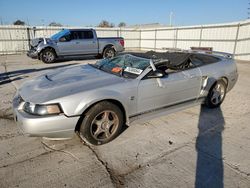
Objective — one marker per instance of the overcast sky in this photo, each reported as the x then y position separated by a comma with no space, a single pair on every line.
91,12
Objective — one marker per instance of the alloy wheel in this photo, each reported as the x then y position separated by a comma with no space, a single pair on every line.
104,125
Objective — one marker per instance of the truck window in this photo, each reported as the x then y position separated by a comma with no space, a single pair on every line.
87,35
75,35
82,35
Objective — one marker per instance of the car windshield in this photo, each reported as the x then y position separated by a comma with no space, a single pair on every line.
128,66
61,33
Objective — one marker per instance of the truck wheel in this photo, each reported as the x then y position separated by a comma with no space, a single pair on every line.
102,123
109,52
48,55
216,94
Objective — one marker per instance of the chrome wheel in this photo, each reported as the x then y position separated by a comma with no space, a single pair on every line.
104,125
48,56
218,93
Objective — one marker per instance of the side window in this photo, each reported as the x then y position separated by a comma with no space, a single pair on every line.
88,35
74,35
68,37
65,38
85,34
81,35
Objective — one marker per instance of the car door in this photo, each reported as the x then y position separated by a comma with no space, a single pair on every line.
68,45
175,88
88,43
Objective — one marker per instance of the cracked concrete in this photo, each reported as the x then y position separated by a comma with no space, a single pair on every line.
197,147
116,179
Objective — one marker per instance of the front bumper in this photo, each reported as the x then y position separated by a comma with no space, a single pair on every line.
32,53
56,126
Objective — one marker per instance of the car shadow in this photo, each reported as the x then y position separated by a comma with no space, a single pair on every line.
11,76
209,164
75,58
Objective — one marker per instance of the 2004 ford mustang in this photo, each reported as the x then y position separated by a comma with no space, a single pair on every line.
96,100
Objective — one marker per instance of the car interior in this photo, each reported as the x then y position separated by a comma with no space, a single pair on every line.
178,61
171,62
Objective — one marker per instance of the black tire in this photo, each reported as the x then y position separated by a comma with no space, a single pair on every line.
48,55
109,52
215,97
102,113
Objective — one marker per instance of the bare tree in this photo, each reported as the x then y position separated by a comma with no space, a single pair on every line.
18,22
122,24
105,23
56,24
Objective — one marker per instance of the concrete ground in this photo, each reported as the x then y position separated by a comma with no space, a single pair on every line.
196,147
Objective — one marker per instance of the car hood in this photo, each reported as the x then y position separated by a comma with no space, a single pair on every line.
40,41
66,81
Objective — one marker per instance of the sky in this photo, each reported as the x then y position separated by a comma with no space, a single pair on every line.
92,12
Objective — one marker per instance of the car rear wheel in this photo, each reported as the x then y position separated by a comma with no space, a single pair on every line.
48,55
102,123
109,52
216,94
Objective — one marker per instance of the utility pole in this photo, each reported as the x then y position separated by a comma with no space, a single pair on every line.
248,11
171,18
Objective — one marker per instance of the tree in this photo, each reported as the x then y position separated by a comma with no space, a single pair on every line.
122,24
55,24
105,23
18,22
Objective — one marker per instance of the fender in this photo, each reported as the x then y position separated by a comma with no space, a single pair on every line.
100,96
47,45
106,46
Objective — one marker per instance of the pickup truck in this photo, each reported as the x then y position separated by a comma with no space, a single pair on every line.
74,42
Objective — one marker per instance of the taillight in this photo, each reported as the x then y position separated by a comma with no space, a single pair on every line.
121,42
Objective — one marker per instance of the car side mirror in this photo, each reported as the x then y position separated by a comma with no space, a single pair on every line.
157,74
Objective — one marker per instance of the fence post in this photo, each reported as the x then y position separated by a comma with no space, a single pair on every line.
34,32
236,39
117,31
155,39
28,37
200,36
140,40
176,38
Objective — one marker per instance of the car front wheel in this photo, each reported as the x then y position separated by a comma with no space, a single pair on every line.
48,56
216,94
102,123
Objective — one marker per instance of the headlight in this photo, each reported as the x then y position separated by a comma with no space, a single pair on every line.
38,109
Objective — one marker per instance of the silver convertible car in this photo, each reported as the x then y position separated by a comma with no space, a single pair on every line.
97,100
